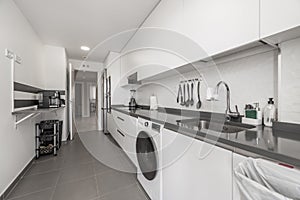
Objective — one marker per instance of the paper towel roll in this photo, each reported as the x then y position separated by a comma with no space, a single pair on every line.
153,103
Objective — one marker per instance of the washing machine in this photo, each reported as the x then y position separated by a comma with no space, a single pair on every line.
148,153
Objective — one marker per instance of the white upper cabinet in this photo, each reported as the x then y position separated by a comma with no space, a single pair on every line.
113,66
167,15
159,45
179,32
218,26
278,16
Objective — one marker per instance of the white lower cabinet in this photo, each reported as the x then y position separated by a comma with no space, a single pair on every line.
125,133
112,128
193,169
237,158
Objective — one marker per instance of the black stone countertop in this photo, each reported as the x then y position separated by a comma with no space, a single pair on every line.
259,141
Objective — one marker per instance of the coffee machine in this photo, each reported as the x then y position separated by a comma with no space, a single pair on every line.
132,102
50,99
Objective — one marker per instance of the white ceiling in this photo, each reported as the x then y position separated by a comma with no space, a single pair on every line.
70,23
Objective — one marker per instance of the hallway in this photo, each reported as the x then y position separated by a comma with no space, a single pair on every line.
76,175
84,124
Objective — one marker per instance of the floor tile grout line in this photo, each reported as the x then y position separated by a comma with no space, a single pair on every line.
53,192
58,169
118,189
76,180
97,185
29,193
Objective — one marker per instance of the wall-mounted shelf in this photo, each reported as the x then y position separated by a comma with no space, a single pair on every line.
32,113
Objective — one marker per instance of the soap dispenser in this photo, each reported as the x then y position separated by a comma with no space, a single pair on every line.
269,113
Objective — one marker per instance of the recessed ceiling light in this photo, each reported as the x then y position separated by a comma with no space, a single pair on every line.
85,48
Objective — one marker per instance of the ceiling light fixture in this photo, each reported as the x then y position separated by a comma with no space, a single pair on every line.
85,48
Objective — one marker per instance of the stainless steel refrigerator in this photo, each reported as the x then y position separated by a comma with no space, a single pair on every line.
106,99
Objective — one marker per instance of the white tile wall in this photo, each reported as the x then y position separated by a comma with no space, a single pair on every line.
251,79
289,105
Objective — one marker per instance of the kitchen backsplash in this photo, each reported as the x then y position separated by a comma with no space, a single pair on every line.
289,103
251,79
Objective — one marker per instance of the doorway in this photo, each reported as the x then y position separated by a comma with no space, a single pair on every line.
86,100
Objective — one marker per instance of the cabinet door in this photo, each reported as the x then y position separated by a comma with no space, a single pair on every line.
194,169
237,158
114,71
167,15
113,64
111,126
278,16
217,26
159,45
126,129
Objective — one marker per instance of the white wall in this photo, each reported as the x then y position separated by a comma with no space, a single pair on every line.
17,145
289,104
55,68
251,79
55,78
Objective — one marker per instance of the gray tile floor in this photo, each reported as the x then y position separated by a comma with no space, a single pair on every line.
76,175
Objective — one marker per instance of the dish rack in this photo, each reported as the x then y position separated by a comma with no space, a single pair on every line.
48,137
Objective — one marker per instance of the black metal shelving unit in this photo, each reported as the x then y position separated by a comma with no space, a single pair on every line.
48,137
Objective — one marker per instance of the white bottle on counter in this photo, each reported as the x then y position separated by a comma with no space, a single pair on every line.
259,114
269,113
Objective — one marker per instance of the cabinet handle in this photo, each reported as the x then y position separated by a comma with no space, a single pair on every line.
120,133
120,119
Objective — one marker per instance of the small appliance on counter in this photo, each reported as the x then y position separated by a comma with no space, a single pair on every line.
50,99
132,102
153,102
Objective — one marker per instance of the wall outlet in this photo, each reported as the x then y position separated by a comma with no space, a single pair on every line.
9,54
18,59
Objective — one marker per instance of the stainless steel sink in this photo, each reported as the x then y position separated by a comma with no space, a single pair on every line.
204,124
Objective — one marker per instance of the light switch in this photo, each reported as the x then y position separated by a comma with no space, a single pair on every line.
9,54
18,59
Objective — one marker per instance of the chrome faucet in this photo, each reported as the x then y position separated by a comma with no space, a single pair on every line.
229,114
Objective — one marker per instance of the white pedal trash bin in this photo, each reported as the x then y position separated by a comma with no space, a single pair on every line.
259,179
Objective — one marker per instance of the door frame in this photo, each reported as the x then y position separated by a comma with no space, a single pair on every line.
82,96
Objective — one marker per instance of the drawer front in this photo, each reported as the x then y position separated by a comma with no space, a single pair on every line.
127,132
113,129
126,123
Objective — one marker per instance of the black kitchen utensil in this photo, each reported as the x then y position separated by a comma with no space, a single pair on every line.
179,95
199,104
192,92
183,102
187,103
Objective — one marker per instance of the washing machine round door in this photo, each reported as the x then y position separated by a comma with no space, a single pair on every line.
146,155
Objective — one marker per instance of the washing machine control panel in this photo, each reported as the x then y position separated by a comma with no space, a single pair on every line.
156,127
